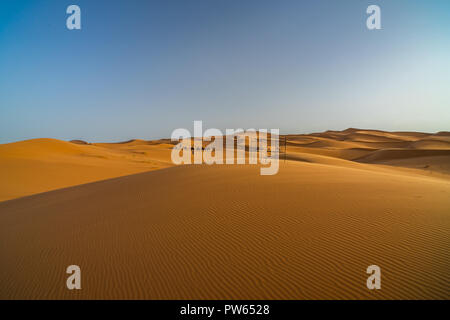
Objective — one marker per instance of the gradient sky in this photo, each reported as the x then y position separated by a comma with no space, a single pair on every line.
140,69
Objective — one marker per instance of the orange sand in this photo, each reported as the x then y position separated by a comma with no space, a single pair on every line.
340,203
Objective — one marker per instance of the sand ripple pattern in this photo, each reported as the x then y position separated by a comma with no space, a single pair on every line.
225,232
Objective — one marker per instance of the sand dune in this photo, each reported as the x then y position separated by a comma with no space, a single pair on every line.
78,141
418,150
432,144
389,154
342,200
40,165
225,232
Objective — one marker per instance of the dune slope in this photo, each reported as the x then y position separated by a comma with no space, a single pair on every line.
225,232
39,165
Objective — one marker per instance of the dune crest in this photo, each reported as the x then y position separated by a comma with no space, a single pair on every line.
39,165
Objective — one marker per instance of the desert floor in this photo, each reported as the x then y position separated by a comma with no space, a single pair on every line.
141,228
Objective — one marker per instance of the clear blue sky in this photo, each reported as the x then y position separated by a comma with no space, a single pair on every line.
140,69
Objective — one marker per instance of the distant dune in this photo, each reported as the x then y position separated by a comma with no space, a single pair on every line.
79,141
340,202
39,165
